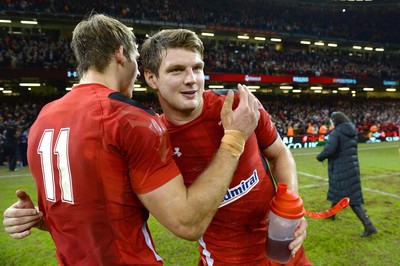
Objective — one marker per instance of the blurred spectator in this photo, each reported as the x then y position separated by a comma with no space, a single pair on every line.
11,144
15,120
373,129
23,147
323,130
310,129
2,141
290,131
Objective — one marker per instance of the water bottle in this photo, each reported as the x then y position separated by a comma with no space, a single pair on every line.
286,211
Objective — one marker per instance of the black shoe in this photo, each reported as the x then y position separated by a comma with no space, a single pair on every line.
369,230
363,216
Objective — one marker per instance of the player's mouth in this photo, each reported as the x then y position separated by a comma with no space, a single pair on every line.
189,94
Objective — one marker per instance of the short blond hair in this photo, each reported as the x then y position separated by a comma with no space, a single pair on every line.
95,40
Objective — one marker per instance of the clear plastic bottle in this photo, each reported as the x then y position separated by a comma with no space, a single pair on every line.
286,210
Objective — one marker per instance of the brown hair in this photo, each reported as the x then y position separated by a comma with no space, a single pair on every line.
154,48
95,40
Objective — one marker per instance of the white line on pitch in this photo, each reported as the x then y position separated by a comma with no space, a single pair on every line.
382,192
313,176
360,149
367,189
13,175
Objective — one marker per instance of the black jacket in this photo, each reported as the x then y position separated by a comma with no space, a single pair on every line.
343,166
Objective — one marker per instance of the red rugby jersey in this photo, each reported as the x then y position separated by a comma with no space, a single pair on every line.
90,153
237,233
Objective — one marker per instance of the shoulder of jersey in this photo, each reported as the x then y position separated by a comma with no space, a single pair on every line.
119,97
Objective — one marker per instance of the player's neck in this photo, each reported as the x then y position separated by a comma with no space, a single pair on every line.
107,79
181,117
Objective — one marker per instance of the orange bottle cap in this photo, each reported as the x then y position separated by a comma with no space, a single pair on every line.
287,203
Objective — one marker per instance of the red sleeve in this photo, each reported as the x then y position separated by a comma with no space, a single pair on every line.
266,132
148,153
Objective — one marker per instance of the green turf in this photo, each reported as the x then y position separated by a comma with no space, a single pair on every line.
328,242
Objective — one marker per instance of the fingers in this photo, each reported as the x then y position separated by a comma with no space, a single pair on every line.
13,212
20,217
295,245
24,201
19,231
21,234
227,107
300,236
250,100
18,222
244,95
301,229
247,111
22,195
245,117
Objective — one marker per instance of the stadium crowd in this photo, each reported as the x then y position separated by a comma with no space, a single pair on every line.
223,56
15,121
298,113
288,17
245,57
272,16
33,51
308,111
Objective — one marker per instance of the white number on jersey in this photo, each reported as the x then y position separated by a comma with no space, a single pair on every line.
45,150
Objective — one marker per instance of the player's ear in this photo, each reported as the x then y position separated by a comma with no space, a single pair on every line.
151,79
119,55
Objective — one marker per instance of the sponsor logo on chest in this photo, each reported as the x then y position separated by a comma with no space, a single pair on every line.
240,190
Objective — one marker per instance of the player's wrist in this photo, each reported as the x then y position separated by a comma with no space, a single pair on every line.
233,141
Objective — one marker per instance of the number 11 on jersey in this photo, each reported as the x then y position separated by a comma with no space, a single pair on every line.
60,152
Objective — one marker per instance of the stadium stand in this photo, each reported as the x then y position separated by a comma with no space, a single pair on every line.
43,51
224,56
290,17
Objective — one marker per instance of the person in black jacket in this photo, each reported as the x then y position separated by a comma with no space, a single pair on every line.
343,168
11,145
